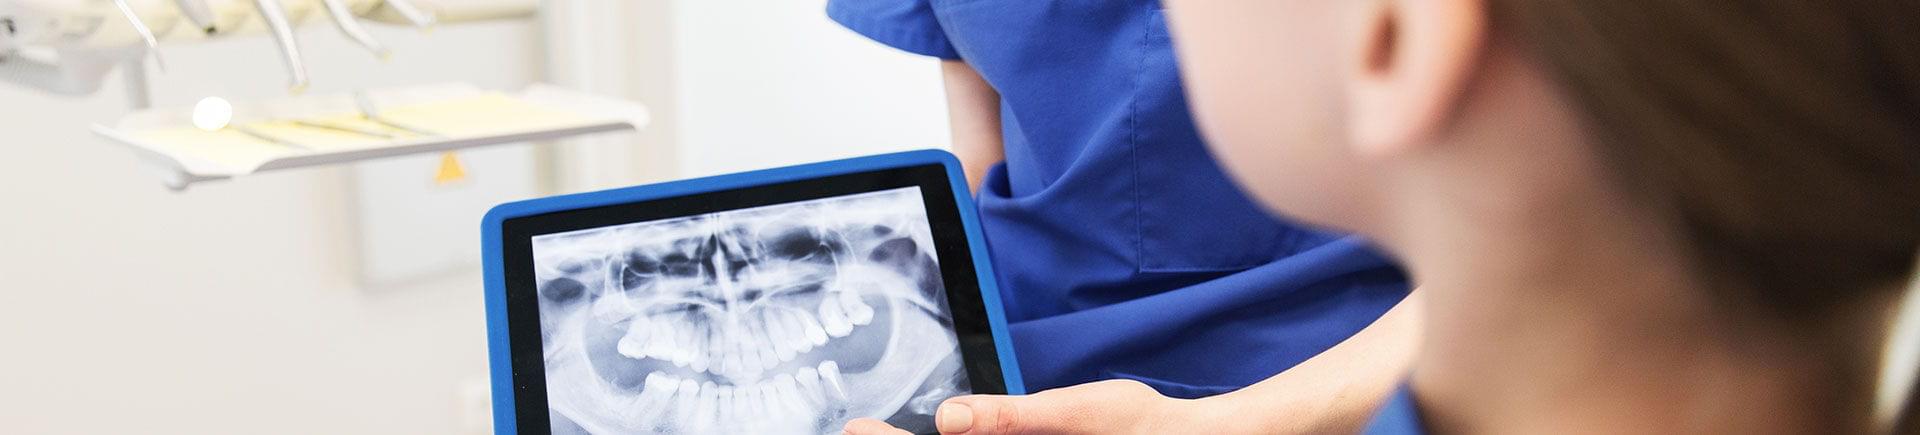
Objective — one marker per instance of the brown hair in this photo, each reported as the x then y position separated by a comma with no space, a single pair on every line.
1782,136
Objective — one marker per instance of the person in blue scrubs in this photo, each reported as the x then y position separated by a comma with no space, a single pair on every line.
1626,216
1123,250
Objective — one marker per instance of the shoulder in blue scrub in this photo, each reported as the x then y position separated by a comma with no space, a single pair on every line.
1123,250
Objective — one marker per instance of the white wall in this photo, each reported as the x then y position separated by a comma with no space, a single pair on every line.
231,307
767,83
234,307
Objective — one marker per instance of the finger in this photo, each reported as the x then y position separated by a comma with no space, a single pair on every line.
1000,415
1099,407
868,426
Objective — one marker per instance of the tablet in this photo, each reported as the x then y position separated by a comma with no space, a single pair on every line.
786,300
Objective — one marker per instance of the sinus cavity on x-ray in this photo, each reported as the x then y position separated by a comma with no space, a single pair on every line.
790,318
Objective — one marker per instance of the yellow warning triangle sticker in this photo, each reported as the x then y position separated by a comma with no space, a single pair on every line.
450,169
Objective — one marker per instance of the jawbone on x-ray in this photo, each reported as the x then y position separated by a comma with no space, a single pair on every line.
790,318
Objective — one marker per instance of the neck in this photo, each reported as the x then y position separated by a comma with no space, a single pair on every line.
1555,306
1570,319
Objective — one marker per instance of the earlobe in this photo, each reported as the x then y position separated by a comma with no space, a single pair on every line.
1412,61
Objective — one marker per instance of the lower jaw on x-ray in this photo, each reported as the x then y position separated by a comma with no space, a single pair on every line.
791,318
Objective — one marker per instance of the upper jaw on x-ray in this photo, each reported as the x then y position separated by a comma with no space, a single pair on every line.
783,319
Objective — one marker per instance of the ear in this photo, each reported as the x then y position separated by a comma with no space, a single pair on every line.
1411,62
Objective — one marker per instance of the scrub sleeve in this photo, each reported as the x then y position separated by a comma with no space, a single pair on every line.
907,25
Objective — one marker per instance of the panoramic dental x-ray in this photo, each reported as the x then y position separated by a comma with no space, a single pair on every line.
791,318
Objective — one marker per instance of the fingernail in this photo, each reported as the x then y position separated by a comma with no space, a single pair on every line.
954,418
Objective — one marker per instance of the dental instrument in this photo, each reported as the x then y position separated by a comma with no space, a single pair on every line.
372,113
62,46
199,14
344,128
276,18
344,19
146,34
420,18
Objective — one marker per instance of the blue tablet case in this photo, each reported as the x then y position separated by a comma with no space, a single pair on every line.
499,352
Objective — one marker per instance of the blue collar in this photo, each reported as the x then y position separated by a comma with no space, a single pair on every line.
1400,416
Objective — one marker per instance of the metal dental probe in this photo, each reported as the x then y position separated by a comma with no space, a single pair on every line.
153,45
372,113
249,131
276,19
412,13
349,25
198,12
343,128
6,38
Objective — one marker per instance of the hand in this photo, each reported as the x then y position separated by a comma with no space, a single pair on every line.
1105,407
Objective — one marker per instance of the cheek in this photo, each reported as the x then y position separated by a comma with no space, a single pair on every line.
1266,94
1307,181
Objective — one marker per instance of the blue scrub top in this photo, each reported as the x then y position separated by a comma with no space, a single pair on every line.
1123,249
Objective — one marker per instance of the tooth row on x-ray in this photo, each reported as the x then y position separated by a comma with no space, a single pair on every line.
749,345
782,403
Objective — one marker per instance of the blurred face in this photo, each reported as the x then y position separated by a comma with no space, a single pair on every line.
1264,79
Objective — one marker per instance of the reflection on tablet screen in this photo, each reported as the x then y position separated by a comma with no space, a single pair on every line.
790,318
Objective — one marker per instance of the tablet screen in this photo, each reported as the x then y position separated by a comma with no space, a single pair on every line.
753,315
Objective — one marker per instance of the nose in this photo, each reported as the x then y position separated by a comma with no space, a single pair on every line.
728,254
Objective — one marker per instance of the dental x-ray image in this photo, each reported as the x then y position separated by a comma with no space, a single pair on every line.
789,318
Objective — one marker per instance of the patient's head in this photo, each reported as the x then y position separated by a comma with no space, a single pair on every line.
1776,143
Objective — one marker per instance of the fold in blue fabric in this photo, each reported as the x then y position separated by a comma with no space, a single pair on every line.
1242,326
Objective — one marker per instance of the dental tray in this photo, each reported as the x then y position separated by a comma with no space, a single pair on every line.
319,130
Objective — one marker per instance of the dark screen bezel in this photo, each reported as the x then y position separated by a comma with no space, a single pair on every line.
957,271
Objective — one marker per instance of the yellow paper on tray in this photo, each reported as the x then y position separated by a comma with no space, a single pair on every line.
485,114
226,148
